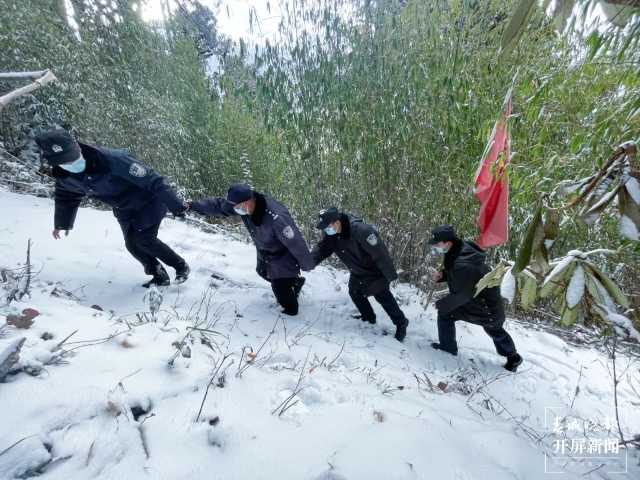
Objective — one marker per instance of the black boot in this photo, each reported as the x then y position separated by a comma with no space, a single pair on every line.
513,363
160,278
182,274
401,331
437,346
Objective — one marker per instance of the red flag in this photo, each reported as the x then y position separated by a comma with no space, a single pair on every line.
492,184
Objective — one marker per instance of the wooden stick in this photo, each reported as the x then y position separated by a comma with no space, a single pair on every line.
48,77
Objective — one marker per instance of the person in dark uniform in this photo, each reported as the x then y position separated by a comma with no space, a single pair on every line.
464,266
361,249
139,197
281,249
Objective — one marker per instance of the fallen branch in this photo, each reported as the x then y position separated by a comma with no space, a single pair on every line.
10,357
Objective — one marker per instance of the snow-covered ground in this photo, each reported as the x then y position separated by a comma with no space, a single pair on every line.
318,396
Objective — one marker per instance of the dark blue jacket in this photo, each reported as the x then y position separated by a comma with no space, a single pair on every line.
364,253
138,195
277,238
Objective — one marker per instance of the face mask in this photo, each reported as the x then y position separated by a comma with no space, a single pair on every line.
330,231
240,211
441,250
76,167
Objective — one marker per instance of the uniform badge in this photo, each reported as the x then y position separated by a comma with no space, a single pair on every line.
372,239
56,148
288,232
137,170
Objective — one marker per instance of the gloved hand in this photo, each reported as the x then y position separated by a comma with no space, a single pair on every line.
182,215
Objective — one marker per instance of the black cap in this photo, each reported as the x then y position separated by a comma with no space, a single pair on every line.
327,217
58,146
443,233
238,193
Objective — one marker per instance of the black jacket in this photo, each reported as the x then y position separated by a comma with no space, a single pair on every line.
138,195
464,266
277,238
364,253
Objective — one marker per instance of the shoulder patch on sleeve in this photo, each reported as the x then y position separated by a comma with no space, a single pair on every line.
137,170
372,239
288,232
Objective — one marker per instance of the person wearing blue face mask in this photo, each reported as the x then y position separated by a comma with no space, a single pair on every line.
464,266
361,249
281,249
138,195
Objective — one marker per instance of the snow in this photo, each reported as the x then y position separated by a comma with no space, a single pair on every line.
562,264
575,289
508,286
121,400
624,322
628,229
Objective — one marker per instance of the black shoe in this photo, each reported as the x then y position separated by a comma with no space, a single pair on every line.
437,346
401,332
372,321
297,287
513,363
160,278
182,274
290,312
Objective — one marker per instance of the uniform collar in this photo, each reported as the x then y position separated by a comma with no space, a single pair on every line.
257,216
345,232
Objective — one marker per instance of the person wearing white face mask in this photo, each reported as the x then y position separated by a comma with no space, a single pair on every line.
282,251
464,266
139,196
364,253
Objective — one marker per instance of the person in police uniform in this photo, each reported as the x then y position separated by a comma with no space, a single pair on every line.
139,197
361,249
281,250
464,266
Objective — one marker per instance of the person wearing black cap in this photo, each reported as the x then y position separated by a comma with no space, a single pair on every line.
282,251
364,253
139,197
464,266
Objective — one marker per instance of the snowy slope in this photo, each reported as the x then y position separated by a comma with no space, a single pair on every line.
359,411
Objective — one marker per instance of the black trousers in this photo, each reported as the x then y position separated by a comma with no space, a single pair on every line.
447,336
386,299
147,248
286,290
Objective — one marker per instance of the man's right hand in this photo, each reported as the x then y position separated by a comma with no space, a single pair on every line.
56,234
437,276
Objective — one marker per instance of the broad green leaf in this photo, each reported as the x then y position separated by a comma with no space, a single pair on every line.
570,315
576,287
516,26
527,246
561,14
592,287
527,292
558,279
628,207
493,278
616,294
552,224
